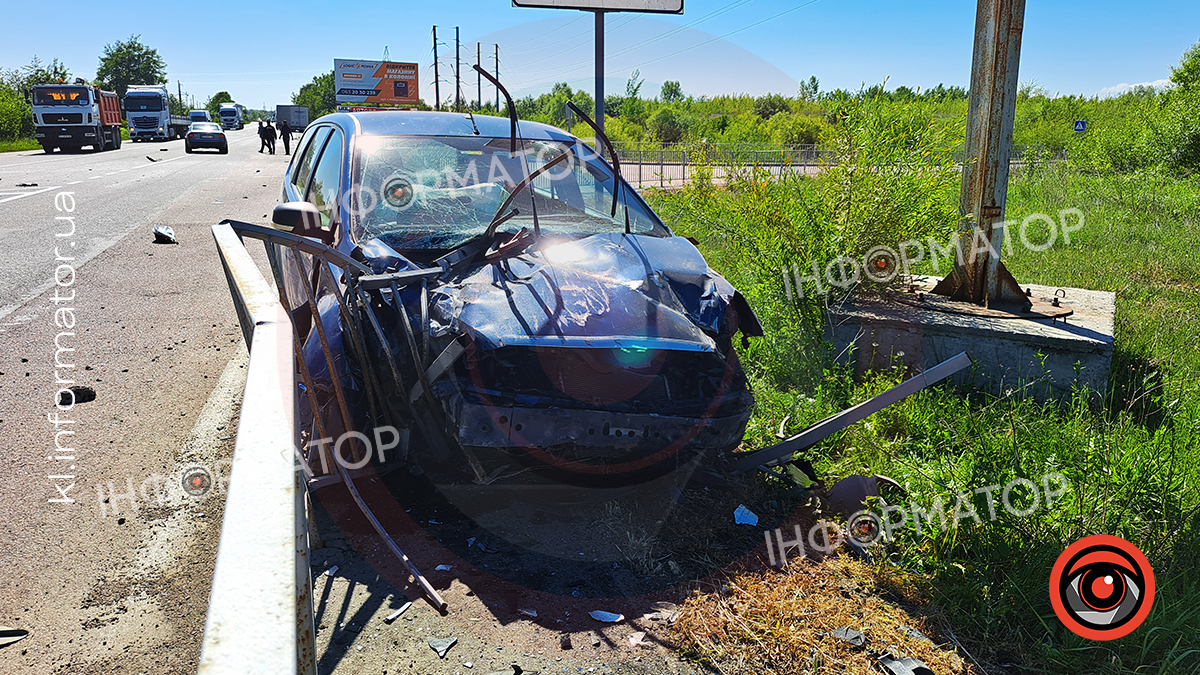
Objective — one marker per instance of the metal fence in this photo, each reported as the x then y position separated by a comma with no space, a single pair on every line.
648,164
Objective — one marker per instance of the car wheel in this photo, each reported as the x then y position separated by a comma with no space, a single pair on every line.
48,149
225,150
117,140
187,147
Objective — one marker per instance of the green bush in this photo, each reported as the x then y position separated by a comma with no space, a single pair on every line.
667,125
16,117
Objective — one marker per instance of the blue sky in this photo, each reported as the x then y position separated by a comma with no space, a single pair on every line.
262,52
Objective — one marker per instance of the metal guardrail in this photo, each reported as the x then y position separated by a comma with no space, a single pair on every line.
260,617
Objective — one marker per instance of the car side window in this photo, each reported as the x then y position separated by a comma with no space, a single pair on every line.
304,168
326,180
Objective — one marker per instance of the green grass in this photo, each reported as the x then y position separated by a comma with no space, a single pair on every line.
19,144
1132,462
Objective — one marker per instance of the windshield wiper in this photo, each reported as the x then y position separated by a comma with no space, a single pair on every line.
512,109
616,163
468,250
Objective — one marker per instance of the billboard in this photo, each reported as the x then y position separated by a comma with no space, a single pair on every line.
650,6
375,82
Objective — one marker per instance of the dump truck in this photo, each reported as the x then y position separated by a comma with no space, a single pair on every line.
70,116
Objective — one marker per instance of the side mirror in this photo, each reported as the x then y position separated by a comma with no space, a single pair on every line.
301,218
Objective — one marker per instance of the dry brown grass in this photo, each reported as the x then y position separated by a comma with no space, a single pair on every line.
768,622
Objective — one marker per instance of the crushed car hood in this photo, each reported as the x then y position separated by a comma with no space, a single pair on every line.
601,291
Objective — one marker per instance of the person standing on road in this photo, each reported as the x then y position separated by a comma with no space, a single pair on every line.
285,135
262,137
269,135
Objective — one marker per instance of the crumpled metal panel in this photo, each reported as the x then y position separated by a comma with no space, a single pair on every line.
605,290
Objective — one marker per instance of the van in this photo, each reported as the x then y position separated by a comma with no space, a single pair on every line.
199,116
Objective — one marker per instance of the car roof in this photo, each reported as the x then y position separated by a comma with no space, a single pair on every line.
423,123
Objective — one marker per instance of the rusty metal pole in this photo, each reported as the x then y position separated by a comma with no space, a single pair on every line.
979,276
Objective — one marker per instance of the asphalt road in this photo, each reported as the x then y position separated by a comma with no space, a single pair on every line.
118,586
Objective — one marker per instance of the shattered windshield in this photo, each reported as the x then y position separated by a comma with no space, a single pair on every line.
436,192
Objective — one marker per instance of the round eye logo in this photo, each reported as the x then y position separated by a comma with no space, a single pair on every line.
1102,587
398,193
196,481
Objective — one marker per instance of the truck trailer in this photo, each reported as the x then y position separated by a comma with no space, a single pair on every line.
70,116
296,116
233,115
148,108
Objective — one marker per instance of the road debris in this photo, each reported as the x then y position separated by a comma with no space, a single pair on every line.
637,640
666,612
444,568
442,645
607,617
744,516
11,635
331,571
396,614
564,641
79,394
151,158
848,634
531,613
164,234
26,185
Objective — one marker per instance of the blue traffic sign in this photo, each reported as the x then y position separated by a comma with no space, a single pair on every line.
1080,125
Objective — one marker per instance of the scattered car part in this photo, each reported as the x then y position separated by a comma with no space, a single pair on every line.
607,617
164,234
11,635
396,614
781,452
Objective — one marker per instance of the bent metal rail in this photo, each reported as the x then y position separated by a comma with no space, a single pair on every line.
260,611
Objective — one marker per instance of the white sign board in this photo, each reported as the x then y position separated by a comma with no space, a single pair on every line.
648,6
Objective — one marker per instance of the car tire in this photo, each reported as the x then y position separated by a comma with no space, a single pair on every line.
117,139
225,150
48,149
187,147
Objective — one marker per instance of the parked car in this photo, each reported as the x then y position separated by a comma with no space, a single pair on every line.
205,135
572,331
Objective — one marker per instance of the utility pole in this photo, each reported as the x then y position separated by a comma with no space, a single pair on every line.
179,88
437,90
983,279
457,78
600,70
478,80
497,77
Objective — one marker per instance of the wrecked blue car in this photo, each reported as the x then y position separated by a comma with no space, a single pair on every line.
493,290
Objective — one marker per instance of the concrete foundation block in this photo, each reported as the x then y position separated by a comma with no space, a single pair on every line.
1046,357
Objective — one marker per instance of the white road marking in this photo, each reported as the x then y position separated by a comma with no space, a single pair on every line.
74,182
29,194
